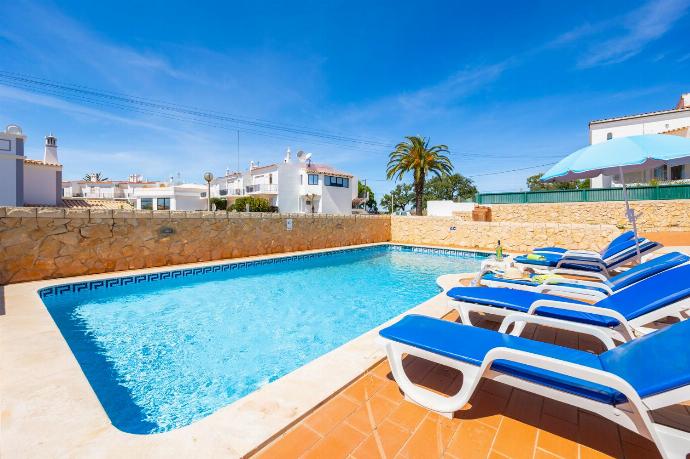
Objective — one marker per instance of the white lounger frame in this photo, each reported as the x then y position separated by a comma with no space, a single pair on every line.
633,415
555,287
625,331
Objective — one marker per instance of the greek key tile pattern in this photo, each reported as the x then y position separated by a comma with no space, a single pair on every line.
91,286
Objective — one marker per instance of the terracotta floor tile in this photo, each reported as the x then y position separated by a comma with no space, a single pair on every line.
371,413
364,388
486,408
496,388
524,406
589,453
382,370
495,455
408,415
633,451
628,436
515,439
598,435
338,444
368,449
471,440
391,437
391,391
541,454
333,412
292,444
560,410
558,437
429,440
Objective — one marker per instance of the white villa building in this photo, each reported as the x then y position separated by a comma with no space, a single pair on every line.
174,197
25,181
294,186
107,189
675,121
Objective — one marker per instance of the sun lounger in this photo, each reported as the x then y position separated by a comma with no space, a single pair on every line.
560,250
587,263
622,315
623,384
588,290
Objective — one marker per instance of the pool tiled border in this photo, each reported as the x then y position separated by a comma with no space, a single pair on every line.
49,408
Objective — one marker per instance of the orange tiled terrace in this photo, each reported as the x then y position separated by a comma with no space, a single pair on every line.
371,419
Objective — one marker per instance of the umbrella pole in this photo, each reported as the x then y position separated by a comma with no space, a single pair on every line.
630,213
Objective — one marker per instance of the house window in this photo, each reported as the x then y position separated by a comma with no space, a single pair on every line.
203,194
337,181
609,136
146,203
270,179
660,173
677,172
223,192
313,179
163,204
301,179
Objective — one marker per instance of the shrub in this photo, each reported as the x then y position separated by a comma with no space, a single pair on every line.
256,204
221,204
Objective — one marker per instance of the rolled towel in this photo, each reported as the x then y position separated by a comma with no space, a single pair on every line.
535,257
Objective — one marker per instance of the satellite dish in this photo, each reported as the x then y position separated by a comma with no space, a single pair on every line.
307,157
13,129
300,155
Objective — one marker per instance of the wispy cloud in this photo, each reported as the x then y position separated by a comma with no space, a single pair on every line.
621,38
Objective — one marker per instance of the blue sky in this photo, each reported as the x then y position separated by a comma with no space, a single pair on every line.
506,85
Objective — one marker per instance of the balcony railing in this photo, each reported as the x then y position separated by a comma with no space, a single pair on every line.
262,188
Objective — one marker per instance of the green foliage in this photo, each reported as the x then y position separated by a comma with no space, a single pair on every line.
454,187
654,182
256,204
416,156
363,191
535,184
220,203
402,196
95,177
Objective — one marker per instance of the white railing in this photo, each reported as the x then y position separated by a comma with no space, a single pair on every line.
262,188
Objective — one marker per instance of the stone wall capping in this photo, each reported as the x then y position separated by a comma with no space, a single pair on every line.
3,212
77,213
100,213
50,212
220,215
124,213
161,214
21,212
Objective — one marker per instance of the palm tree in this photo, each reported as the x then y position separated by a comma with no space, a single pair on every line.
95,177
416,156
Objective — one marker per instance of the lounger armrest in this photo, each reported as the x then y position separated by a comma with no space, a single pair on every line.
556,289
565,368
554,323
587,308
580,261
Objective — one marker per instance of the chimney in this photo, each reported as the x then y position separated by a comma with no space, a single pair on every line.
684,101
251,165
288,154
50,153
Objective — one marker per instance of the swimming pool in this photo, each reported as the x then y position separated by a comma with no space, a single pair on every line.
162,350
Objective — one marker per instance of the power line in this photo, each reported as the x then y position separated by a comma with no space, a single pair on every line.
511,170
88,95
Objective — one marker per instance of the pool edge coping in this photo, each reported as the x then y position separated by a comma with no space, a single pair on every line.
238,429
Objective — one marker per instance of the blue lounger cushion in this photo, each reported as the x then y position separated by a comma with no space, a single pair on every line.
471,344
618,239
652,364
650,294
625,279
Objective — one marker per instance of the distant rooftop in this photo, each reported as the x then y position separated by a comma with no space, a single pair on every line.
682,106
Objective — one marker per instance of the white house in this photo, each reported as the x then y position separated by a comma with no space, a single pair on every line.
107,189
675,121
294,186
25,181
174,197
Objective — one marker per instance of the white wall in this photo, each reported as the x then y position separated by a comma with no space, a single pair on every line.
649,124
289,188
337,200
446,208
40,184
188,203
8,179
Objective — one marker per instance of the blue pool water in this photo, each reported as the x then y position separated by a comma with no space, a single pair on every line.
163,351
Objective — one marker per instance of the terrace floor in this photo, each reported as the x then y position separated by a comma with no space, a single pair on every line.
371,419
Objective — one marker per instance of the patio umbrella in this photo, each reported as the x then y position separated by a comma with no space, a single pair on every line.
620,156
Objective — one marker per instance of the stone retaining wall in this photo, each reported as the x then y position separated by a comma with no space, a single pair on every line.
653,215
452,231
46,243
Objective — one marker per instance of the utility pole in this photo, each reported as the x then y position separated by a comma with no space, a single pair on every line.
238,150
